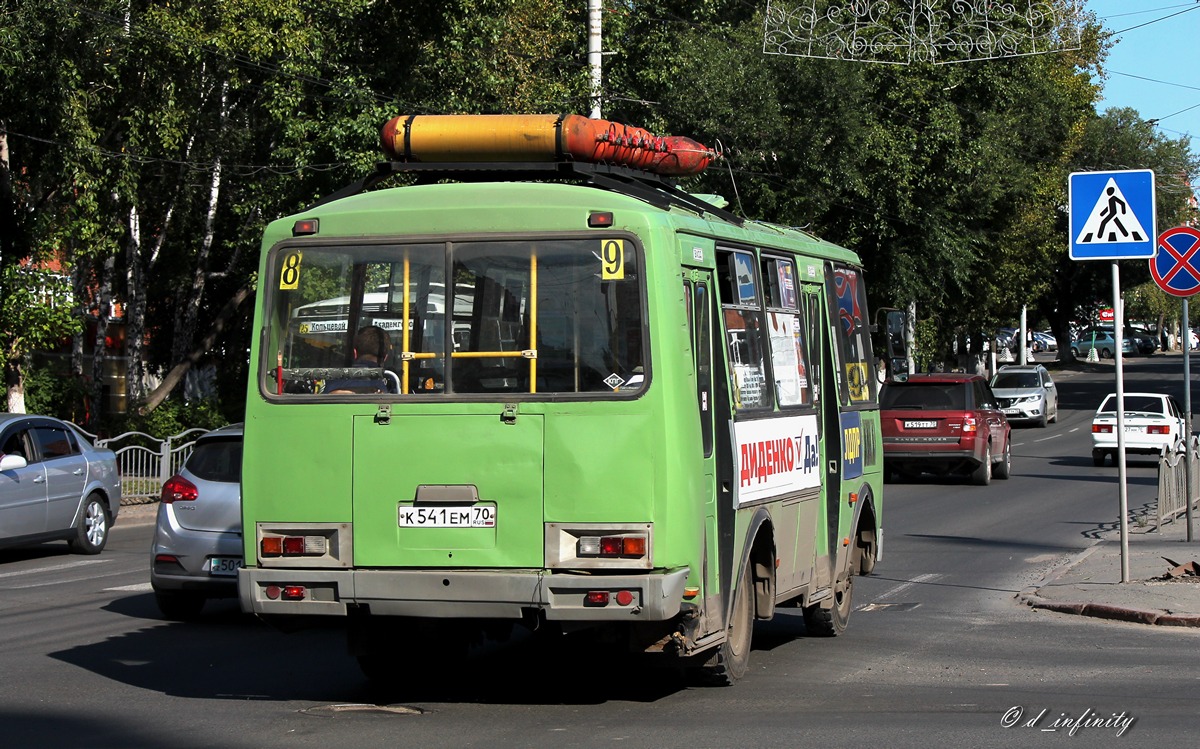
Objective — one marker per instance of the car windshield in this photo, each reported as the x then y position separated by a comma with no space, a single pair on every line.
1139,403
938,396
1015,380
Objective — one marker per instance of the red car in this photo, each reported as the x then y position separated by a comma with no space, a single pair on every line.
944,424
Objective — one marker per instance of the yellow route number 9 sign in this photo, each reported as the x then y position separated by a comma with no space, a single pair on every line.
856,377
289,274
612,259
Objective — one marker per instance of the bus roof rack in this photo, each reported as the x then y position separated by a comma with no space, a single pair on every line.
637,183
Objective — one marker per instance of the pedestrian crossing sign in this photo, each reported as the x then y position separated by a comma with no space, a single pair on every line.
1113,216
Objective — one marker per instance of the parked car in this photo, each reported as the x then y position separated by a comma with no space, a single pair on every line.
1026,394
944,424
1103,342
197,549
55,484
1153,422
1045,340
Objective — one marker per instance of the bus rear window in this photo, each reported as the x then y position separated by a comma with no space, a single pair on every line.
548,316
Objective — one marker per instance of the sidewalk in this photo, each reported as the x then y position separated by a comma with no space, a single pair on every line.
1090,585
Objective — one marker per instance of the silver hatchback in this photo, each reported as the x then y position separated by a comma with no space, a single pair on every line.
197,548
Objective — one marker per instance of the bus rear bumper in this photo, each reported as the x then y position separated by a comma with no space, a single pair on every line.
480,594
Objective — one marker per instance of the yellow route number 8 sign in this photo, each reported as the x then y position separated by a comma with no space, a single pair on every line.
612,259
289,274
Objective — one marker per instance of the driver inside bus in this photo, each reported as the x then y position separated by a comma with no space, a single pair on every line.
372,349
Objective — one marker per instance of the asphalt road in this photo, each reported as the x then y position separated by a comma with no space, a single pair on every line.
938,652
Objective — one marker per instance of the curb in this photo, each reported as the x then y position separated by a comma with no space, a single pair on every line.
1030,598
1115,613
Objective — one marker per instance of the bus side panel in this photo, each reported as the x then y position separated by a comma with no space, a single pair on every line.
291,455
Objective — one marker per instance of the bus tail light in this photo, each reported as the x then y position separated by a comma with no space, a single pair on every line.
596,598
633,545
293,546
293,593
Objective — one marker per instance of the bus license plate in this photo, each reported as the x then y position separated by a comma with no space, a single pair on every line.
224,566
920,424
442,516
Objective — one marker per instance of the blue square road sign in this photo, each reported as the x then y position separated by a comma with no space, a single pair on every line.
1113,215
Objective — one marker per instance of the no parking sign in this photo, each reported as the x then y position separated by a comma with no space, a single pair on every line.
1176,267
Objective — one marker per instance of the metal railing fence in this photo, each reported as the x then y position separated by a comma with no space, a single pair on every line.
1172,480
146,461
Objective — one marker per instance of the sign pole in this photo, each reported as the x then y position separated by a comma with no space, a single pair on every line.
1112,216
1123,490
1187,415
1176,270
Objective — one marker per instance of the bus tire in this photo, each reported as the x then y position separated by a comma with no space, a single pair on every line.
832,621
733,655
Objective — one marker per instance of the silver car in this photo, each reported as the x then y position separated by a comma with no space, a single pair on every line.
197,548
1026,394
54,484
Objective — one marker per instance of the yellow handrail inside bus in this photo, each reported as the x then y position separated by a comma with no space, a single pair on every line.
530,353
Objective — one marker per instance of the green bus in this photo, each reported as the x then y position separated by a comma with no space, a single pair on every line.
599,404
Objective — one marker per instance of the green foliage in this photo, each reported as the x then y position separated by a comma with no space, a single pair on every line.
172,417
34,311
948,180
50,390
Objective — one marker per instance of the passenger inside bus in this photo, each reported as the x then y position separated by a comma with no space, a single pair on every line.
372,349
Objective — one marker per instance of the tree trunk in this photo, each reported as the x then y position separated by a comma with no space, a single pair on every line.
14,386
103,300
135,309
8,203
188,313
177,373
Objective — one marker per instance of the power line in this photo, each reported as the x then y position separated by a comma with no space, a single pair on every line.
1157,20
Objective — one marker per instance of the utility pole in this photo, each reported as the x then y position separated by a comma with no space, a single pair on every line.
594,54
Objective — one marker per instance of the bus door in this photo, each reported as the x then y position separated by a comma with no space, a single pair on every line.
849,385
698,295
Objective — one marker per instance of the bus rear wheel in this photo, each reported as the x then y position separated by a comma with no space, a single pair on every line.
733,655
832,621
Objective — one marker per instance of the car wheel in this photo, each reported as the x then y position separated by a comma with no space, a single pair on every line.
1003,469
1106,353
1075,352
1098,458
179,607
982,476
1055,419
92,532
1043,419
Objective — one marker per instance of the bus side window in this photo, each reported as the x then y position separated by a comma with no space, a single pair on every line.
741,307
786,333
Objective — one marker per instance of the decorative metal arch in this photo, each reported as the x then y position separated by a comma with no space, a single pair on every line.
901,32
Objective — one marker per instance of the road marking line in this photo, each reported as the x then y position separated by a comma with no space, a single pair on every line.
139,588
48,583
926,578
56,567
1051,437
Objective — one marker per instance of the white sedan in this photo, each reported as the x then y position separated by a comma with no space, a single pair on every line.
1152,422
